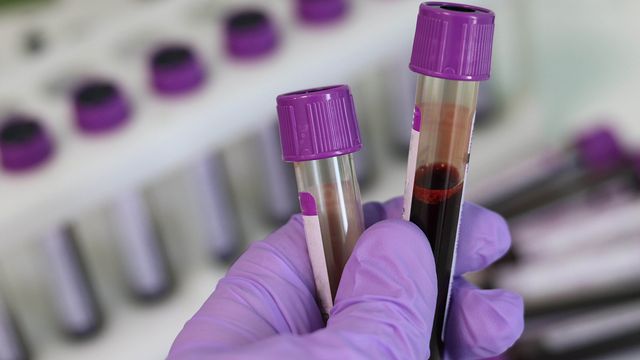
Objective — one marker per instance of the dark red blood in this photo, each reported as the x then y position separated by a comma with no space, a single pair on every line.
435,208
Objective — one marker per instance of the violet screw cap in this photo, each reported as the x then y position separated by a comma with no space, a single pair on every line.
250,34
24,143
318,123
321,11
599,149
453,41
175,69
99,106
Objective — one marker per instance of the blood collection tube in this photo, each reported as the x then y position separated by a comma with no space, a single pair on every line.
100,107
24,145
451,54
250,36
176,71
594,157
319,134
12,345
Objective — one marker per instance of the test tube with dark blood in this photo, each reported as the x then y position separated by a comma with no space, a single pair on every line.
451,55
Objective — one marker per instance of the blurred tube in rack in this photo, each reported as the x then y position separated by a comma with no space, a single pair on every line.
250,36
327,183
586,334
581,280
223,235
451,55
323,14
593,157
279,179
26,145
145,261
176,71
100,107
75,300
12,345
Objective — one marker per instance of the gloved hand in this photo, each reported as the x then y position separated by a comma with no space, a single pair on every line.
264,308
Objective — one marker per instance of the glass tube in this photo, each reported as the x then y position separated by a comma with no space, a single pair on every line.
332,211
437,167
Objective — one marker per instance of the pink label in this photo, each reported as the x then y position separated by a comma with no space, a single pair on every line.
417,119
315,248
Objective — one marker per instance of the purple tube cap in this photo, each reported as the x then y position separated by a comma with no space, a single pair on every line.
24,143
318,12
453,41
599,149
318,123
250,34
99,106
175,70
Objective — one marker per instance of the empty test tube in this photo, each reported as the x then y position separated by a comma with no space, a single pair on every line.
100,107
319,134
451,54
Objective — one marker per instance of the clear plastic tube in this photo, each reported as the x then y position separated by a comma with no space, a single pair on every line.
75,301
145,263
332,211
437,167
319,133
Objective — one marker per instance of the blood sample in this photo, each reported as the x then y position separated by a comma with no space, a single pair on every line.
321,142
451,54
101,107
176,71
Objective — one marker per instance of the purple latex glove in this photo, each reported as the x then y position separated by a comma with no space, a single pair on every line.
264,308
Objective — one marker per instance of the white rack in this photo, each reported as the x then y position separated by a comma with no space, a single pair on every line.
86,171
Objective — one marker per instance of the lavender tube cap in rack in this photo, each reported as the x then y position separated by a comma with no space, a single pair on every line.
175,70
24,143
318,123
599,149
99,106
321,11
250,34
453,41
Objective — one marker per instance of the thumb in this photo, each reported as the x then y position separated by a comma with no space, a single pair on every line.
387,294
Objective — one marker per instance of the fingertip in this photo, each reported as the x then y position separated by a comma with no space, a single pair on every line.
484,238
485,323
373,212
394,208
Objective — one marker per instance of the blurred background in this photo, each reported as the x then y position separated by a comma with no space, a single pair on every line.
140,156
